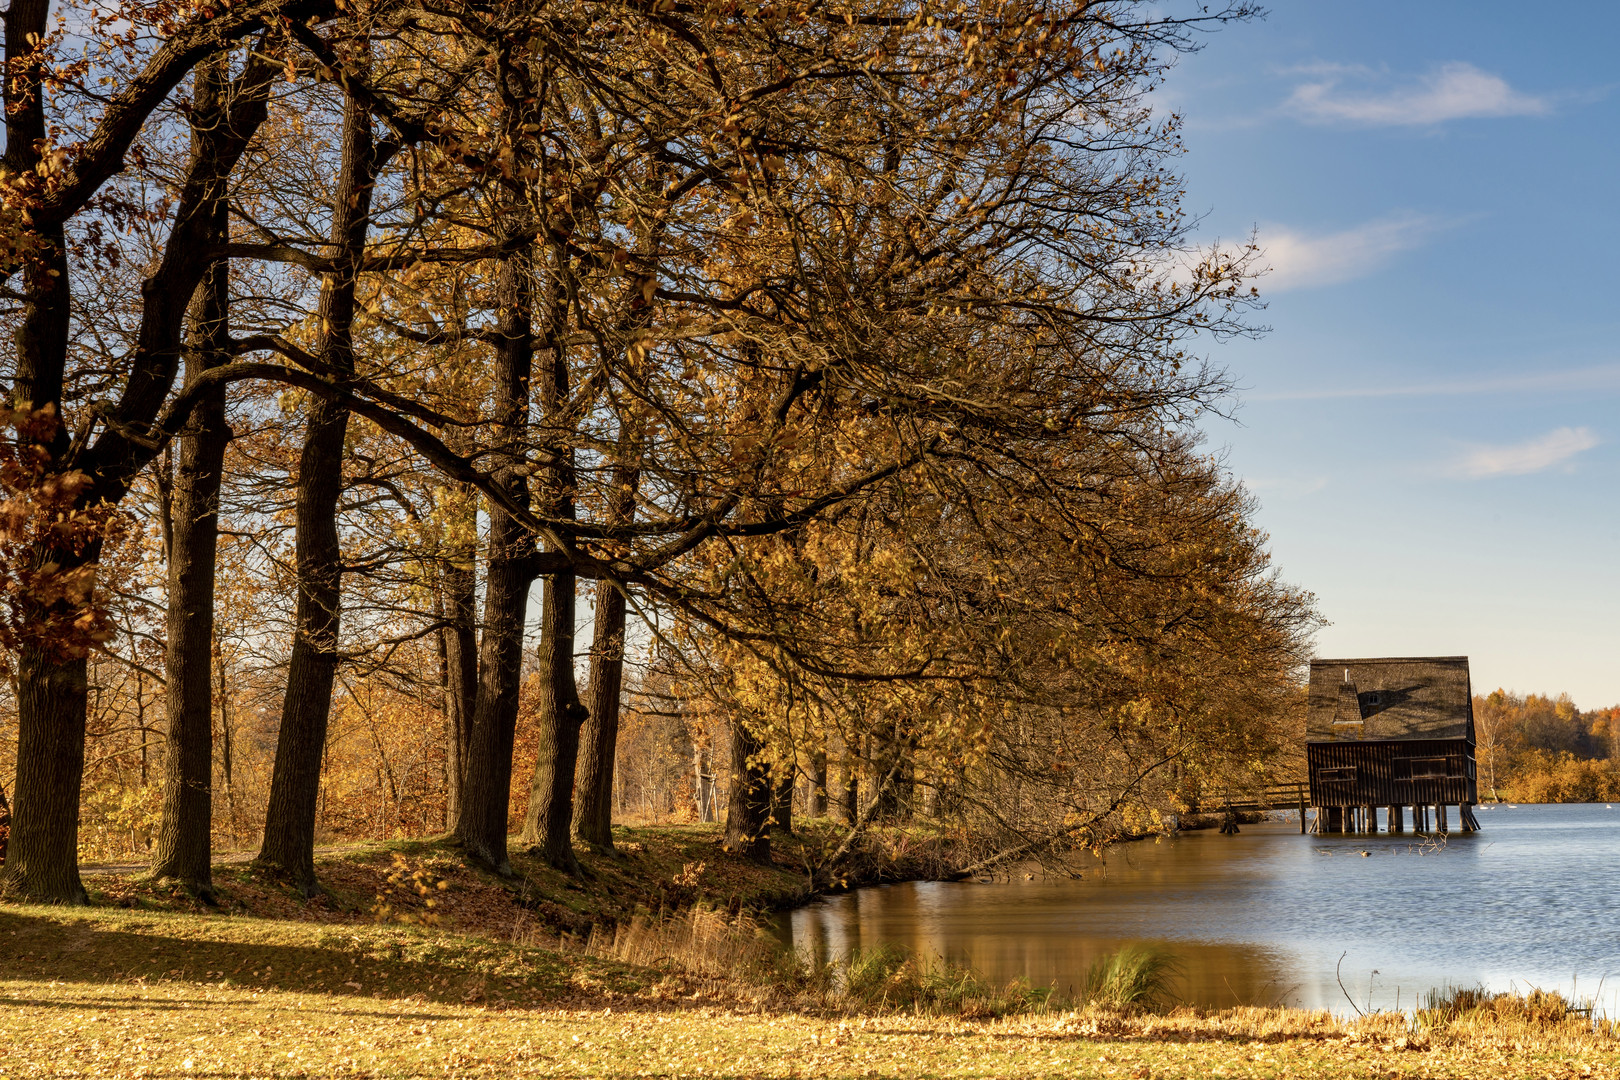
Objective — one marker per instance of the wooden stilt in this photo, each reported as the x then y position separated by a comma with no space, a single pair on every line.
1335,818
1440,816
1396,816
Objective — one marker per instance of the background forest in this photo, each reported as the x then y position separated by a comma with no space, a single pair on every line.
1544,749
384,374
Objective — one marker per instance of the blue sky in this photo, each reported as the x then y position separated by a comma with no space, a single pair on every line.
1430,424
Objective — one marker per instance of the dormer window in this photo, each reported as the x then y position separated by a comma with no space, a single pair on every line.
1372,699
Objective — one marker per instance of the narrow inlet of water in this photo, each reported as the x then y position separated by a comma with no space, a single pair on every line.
1270,916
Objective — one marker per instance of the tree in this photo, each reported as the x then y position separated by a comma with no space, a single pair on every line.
222,127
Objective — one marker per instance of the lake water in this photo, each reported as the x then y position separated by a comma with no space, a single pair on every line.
1265,917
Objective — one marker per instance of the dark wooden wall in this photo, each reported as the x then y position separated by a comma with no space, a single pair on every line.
1392,772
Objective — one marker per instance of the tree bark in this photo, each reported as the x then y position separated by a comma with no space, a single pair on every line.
5,824
486,796
184,836
42,857
846,789
815,803
593,809
748,813
289,828
782,803
548,823
459,640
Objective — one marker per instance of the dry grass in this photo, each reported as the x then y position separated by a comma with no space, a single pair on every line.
119,993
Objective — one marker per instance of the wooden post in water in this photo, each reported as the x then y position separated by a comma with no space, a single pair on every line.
1440,816
1301,793
1396,822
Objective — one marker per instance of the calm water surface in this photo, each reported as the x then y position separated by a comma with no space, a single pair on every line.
1264,917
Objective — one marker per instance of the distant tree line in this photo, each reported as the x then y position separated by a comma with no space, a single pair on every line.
1532,748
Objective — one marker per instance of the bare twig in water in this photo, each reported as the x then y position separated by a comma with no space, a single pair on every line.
1346,993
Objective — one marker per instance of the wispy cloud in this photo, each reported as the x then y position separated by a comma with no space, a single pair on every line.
1603,377
1302,260
1355,95
1530,456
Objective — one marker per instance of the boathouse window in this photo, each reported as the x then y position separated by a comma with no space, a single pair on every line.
1373,698
1345,775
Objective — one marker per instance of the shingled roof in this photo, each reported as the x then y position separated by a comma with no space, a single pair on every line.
1418,697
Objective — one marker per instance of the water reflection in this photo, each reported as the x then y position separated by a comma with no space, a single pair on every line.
1265,916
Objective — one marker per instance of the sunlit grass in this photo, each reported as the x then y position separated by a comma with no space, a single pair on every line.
122,993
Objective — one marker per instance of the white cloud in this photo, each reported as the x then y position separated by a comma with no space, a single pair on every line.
1531,456
1451,91
1300,260
1605,377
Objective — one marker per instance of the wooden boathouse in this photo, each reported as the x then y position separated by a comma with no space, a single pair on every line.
1391,733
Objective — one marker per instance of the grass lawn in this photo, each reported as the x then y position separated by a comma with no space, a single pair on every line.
477,985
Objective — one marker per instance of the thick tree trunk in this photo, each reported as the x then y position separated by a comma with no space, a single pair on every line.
486,796
748,813
593,809
289,827
549,820
42,862
184,837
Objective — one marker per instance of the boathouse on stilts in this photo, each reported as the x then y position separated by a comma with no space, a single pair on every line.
1396,735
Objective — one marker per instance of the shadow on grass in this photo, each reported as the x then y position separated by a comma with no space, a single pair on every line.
379,962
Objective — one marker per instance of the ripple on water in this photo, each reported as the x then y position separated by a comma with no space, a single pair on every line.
1532,900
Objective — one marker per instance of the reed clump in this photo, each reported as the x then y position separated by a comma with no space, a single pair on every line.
1454,1007
699,941
891,977
1135,978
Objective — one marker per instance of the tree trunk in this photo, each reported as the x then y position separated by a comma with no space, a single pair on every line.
5,824
486,795
593,810
846,790
548,823
782,804
748,813
459,640
42,858
185,834
815,803
289,827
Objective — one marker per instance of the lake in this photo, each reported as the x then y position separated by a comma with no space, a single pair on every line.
1265,917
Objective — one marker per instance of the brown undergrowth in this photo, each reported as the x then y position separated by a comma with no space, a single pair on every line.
653,871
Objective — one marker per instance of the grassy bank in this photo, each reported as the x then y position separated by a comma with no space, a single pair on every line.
653,869
109,992
524,978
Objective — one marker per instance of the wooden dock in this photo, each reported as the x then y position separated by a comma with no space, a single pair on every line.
1294,796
